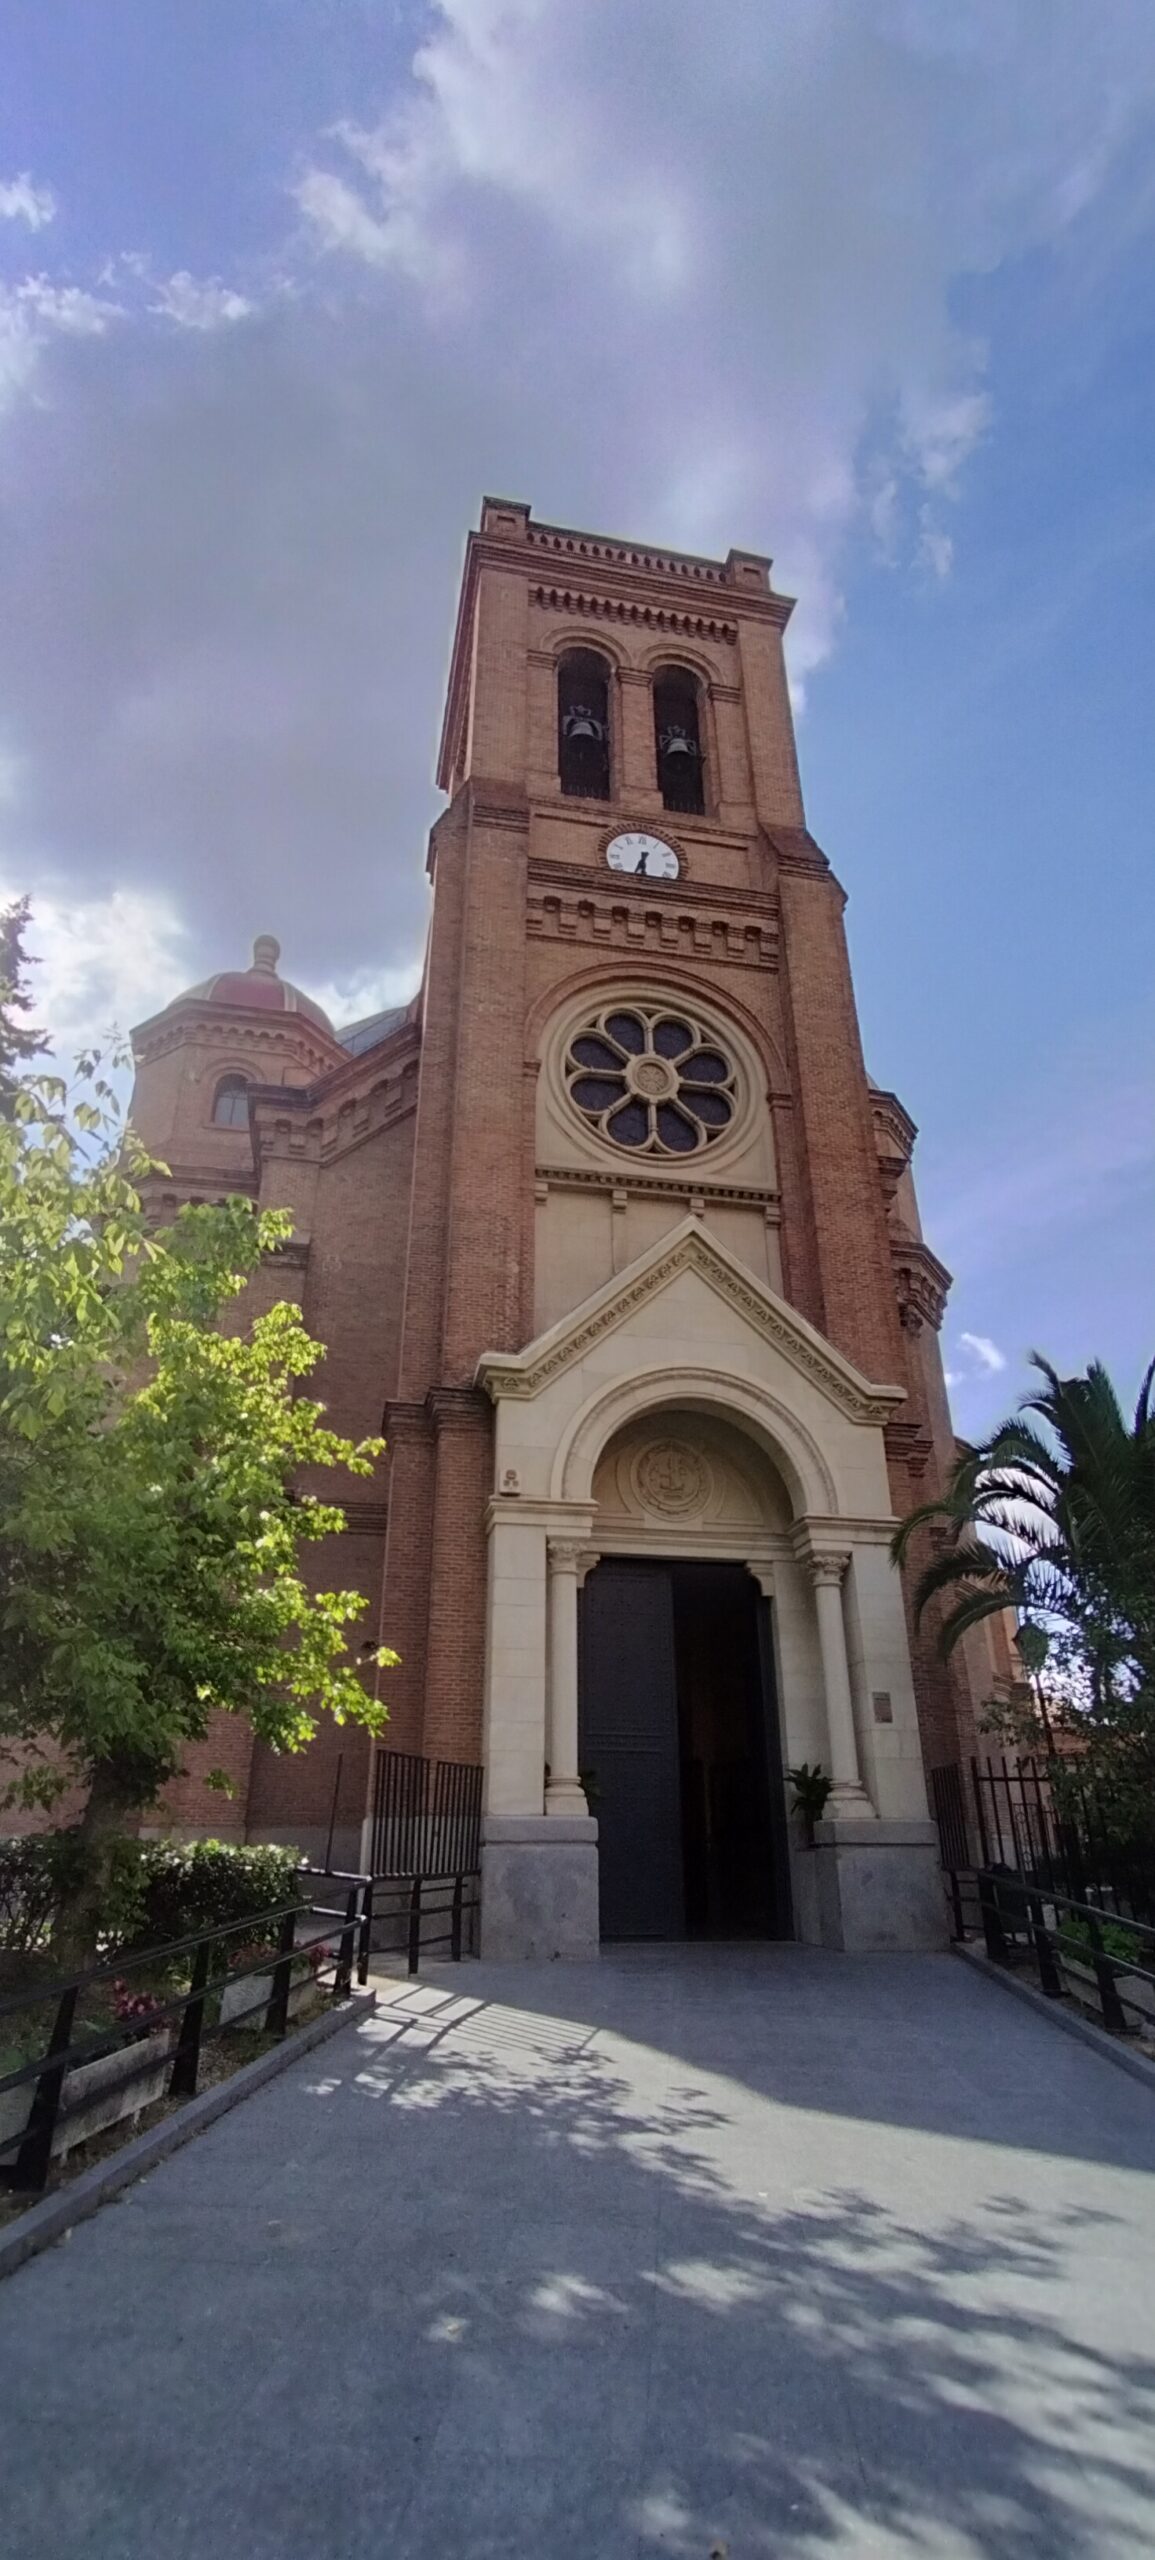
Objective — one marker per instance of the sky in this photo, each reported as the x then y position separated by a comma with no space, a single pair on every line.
869,285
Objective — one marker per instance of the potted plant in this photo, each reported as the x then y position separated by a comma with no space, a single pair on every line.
811,1789
108,2089
244,2001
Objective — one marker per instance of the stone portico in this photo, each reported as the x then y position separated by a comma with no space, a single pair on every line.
685,1410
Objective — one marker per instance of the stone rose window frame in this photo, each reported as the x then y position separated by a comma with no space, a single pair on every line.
652,1079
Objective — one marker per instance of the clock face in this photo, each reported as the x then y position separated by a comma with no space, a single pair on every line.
646,856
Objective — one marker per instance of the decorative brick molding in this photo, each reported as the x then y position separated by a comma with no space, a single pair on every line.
457,1409
646,617
921,1281
908,1445
629,925
325,1122
669,1185
894,1137
622,555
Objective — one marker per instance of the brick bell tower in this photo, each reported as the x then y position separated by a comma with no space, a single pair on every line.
624,812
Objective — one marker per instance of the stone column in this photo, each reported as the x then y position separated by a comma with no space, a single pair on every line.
848,1796
564,1794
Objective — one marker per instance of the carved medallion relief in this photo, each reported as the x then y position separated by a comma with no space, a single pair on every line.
672,1479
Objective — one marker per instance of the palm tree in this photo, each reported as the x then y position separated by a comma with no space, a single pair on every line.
1058,1523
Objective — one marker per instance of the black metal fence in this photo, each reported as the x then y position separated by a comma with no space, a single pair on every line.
425,1852
426,1816
161,2034
1043,1820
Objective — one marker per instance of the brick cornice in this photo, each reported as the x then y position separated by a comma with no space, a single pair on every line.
405,1420
908,1445
576,1177
922,1283
611,601
672,919
457,1409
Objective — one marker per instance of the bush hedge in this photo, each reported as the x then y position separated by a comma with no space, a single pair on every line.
37,1875
182,1886
157,1889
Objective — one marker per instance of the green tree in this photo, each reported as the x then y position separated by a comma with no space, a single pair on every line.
1053,1515
155,1452
19,1041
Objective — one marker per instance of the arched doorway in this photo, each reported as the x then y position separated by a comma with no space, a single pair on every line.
679,1731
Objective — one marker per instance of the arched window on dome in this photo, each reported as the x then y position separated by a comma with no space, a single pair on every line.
231,1103
678,741
583,725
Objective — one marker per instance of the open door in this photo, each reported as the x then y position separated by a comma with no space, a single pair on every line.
628,1729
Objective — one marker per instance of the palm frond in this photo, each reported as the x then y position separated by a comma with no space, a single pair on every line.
967,1567
971,1610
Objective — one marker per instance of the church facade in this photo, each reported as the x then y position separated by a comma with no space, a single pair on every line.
611,1233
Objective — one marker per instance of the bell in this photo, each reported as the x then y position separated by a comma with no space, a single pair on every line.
580,722
678,742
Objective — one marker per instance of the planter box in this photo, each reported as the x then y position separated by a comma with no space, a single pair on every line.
1080,1980
243,2003
95,2095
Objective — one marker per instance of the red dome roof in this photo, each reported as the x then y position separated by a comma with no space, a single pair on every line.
258,989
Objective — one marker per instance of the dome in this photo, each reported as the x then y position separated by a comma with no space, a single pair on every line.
258,989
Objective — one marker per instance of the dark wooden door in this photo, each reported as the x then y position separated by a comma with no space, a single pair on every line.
629,1745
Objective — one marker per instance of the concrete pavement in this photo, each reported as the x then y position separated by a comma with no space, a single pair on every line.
756,2251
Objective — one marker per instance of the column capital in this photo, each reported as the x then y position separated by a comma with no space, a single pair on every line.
828,1569
565,1555
825,1563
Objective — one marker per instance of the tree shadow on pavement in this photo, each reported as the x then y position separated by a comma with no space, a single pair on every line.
626,2336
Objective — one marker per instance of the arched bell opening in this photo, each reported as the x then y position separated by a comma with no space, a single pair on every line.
678,741
583,725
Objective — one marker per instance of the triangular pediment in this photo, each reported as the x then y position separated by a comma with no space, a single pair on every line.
689,1248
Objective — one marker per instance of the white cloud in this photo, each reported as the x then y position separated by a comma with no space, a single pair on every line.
935,545
350,997
31,314
697,291
199,302
986,1352
544,162
101,963
20,201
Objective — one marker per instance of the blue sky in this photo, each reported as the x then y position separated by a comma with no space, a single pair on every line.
869,284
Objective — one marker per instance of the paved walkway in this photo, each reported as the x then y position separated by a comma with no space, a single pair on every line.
749,2252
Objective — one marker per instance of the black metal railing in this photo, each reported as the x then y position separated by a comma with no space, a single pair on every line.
1042,1819
1072,1944
425,1852
418,1915
187,2016
426,1816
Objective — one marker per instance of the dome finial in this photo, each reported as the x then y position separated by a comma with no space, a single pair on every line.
266,953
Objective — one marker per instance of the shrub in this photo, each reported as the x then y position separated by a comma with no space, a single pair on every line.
37,1874
1125,1945
153,1890
184,1886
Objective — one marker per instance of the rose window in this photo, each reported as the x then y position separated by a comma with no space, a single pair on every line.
655,1081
